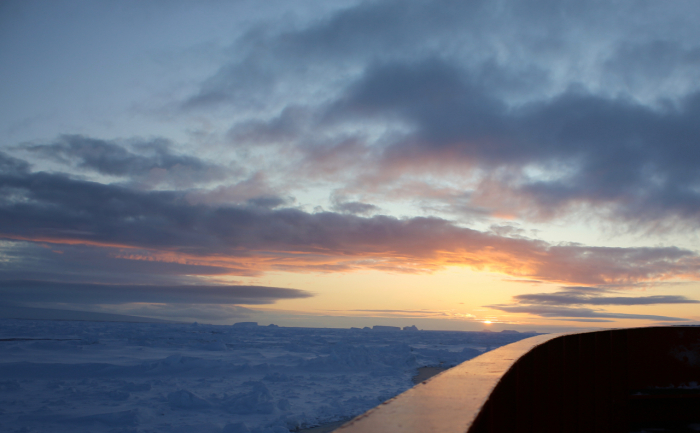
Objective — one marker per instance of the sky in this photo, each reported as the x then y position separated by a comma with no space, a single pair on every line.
458,165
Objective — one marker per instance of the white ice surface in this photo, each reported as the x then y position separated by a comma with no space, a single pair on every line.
62,376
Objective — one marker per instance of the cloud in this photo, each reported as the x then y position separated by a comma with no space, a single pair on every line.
210,313
610,153
255,191
285,127
554,312
637,66
340,204
525,50
248,239
12,166
416,313
355,207
508,95
85,263
34,291
565,303
148,162
572,298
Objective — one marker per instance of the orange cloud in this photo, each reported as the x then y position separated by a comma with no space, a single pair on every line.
252,239
431,245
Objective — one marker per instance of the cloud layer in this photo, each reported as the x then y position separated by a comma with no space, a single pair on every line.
539,123
30,291
250,239
569,303
150,163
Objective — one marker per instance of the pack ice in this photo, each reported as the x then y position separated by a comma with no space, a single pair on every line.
70,376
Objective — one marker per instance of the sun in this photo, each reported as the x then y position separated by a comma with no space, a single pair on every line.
488,322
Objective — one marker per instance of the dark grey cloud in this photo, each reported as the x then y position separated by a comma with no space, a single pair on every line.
575,298
85,263
16,311
522,43
637,66
151,162
283,128
34,291
183,312
342,205
432,94
355,207
496,87
576,313
267,202
12,166
640,161
567,303
248,239
267,58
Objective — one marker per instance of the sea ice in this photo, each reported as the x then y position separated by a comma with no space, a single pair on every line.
144,377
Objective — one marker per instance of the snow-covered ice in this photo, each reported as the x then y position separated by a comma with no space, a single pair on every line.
64,376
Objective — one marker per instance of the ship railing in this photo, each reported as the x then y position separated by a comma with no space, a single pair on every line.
617,380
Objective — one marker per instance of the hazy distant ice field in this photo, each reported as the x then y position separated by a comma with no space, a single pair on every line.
62,376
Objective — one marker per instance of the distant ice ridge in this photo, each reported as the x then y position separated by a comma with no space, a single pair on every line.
135,377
